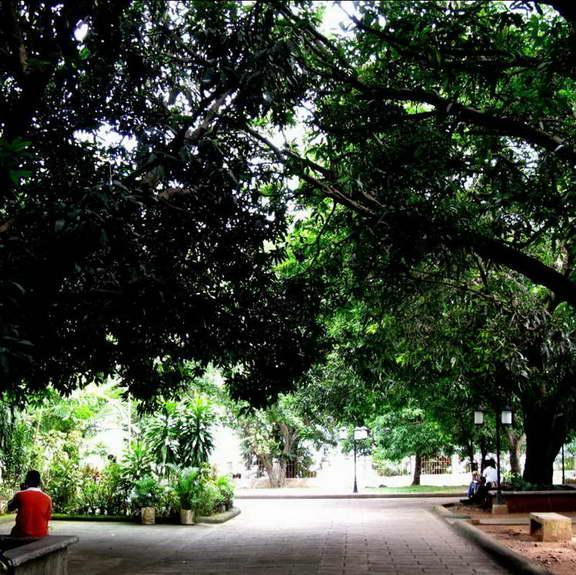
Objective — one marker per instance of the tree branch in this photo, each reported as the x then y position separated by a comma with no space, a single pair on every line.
501,125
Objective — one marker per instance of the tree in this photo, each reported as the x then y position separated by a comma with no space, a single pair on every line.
132,223
446,129
274,436
483,336
433,159
405,432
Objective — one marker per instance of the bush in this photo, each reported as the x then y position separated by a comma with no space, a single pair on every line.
225,490
64,479
168,503
88,499
188,487
207,498
113,491
516,483
147,492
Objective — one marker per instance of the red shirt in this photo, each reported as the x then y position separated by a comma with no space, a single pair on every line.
34,511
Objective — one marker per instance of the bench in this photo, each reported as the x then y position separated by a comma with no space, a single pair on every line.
550,527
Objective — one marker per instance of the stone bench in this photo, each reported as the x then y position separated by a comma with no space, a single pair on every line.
550,527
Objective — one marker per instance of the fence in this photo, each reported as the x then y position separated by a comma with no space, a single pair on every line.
436,465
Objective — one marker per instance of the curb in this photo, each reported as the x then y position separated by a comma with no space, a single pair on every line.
504,555
350,496
220,517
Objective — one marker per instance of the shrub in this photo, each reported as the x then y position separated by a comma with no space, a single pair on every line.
207,498
113,491
88,499
137,463
225,490
188,487
168,503
147,492
64,479
517,483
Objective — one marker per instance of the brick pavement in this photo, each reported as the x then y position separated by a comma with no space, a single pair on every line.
284,537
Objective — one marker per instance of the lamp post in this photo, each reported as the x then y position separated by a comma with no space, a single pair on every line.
504,417
359,434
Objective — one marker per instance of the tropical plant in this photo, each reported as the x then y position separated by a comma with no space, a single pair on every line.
160,438
187,487
207,498
136,463
62,482
195,431
147,492
180,434
89,495
225,490
113,490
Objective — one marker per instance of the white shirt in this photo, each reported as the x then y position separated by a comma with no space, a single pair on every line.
490,475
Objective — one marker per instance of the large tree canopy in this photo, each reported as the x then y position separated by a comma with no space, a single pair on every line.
132,224
143,198
448,129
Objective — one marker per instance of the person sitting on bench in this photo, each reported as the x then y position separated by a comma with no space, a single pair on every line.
34,508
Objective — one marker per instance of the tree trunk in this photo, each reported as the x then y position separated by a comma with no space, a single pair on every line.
470,449
545,433
268,464
276,471
483,454
417,470
282,473
515,442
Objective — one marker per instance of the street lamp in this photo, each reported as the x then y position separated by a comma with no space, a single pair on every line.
360,433
503,418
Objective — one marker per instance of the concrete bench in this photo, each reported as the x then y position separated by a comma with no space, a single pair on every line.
550,527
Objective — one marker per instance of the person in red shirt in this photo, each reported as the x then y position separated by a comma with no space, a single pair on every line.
34,508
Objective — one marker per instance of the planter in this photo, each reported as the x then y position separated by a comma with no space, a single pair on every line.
148,515
527,501
186,516
44,556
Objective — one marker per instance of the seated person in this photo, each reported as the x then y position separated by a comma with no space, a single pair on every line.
475,483
490,475
34,508
489,481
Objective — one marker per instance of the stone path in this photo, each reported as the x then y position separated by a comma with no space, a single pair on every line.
284,537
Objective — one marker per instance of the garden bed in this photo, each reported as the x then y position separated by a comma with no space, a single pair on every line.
513,531
215,518
559,558
80,517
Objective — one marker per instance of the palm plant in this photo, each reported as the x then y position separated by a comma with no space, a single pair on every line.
195,432
161,436
137,463
187,487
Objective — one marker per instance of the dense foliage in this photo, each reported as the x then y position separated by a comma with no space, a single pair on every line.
438,171
145,204
132,220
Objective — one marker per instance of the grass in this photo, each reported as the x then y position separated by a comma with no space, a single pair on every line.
458,489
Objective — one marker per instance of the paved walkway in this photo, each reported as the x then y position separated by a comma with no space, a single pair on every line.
284,537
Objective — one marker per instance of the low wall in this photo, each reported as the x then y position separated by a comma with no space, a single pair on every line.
528,501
